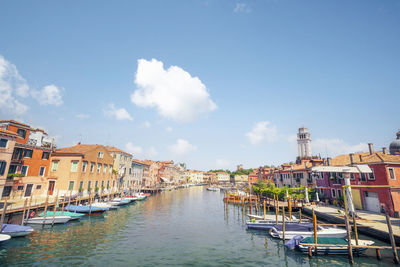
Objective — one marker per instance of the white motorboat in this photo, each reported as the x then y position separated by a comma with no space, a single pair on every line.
104,205
305,230
213,188
4,237
48,220
15,230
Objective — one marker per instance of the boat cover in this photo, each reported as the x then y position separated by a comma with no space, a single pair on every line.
59,213
294,242
296,227
84,208
11,228
325,240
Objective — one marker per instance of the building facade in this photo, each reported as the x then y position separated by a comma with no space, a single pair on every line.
122,167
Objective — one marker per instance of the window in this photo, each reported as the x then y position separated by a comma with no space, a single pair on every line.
89,185
45,155
391,174
12,169
17,154
80,185
102,184
24,170
108,184
363,177
110,169
352,177
71,185
371,176
96,184
7,191
41,171
21,133
38,187
113,183
20,188
74,166
28,153
98,167
339,192
105,168
100,155
3,166
130,171
54,166
92,166
333,192
3,142
84,166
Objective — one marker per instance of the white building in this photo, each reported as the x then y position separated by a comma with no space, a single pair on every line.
304,143
223,177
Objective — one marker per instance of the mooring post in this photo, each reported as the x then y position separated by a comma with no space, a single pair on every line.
392,240
315,232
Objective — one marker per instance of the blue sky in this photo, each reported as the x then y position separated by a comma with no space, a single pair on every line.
210,83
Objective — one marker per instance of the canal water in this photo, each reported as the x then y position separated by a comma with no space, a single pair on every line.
186,227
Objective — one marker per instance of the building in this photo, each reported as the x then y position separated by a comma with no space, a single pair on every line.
373,168
137,169
122,166
304,143
241,178
82,169
29,166
7,143
196,177
223,177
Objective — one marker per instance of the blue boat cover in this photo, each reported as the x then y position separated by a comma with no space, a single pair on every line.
294,242
84,208
11,228
296,227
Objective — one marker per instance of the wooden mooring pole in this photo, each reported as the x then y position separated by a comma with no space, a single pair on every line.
3,215
23,213
392,240
315,232
283,223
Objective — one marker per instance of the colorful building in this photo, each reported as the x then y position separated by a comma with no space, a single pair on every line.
122,166
7,143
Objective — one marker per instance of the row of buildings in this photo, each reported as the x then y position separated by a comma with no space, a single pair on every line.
374,175
31,164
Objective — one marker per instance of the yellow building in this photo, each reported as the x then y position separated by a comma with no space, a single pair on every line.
82,169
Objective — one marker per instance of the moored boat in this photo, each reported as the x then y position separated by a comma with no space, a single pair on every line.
4,237
86,209
15,230
104,205
305,230
211,188
73,215
268,224
48,220
332,245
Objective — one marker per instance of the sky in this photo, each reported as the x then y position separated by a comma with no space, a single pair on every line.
210,83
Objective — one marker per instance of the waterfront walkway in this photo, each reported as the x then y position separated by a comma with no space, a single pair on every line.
372,224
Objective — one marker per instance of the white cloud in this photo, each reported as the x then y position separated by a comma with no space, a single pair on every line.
262,130
151,152
82,116
168,129
131,148
333,147
173,92
222,163
147,124
117,113
12,84
49,95
181,147
242,8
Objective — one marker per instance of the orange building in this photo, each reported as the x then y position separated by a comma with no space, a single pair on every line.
82,169
29,163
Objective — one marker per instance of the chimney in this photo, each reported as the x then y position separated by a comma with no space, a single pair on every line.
351,158
384,150
329,160
371,148
360,158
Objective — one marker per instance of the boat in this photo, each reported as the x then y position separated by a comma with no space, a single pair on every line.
334,245
4,237
213,188
73,215
104,205
91,210
305,230
268,223
15,230
48,220
121,201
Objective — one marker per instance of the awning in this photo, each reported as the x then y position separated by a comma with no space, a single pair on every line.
364,168
165,180
335,169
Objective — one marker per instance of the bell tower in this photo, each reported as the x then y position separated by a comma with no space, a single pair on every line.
304,143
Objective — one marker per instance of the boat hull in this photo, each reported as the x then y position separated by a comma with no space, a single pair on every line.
4,237
15,230
48,220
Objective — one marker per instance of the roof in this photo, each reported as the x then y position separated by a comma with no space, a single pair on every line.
15,122
7,132
365,158
78,149
114,149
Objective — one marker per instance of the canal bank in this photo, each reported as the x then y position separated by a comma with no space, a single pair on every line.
186,227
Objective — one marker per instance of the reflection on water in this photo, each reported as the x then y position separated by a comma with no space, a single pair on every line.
188,227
